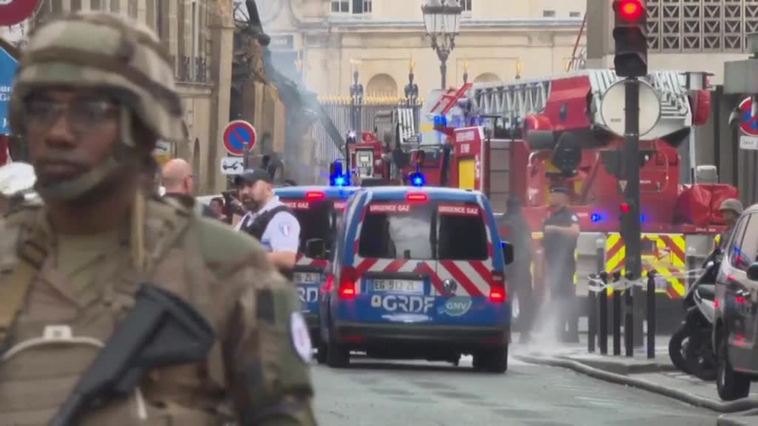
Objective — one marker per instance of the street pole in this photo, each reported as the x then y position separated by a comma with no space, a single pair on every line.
443,54
633,231
443,70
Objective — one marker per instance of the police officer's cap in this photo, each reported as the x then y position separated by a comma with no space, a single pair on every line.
559,189
731,204
250,176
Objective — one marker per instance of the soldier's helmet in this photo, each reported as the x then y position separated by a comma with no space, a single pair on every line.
103,51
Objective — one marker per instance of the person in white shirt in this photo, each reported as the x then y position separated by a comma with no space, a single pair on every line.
268,219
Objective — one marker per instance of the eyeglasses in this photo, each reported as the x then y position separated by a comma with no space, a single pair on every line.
83,115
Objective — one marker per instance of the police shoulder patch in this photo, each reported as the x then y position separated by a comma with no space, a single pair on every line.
301,339
286,229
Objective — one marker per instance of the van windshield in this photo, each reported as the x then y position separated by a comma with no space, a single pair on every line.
429,231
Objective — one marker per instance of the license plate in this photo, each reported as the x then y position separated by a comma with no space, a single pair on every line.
399,286
306,277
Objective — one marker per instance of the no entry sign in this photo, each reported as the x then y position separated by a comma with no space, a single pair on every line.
238,137
14,11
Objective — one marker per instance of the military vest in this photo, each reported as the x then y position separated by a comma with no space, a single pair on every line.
55,338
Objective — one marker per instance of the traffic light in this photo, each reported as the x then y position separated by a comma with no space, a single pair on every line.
630,35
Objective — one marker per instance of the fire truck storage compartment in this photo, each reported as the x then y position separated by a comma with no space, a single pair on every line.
498,164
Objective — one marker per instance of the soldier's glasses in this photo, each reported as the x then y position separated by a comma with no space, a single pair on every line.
82,114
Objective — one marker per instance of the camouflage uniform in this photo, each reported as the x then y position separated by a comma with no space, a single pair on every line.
61,296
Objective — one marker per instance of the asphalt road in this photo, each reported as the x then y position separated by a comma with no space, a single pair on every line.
389,393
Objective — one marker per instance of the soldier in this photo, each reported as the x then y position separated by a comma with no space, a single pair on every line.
561,232
730,210
93,94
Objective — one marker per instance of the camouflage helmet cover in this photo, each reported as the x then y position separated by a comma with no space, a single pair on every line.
103,51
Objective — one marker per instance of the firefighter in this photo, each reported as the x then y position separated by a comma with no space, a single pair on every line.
561,231
520,272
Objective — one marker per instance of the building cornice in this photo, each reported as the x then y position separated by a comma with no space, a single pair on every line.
354,23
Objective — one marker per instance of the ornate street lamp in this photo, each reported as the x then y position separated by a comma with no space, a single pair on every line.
442,19
356,100
411,89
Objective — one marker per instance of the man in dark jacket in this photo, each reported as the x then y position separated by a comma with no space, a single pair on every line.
519,272
179,181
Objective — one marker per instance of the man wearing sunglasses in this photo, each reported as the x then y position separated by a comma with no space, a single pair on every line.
93,94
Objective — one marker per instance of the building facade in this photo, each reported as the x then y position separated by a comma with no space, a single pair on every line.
382,39
198,35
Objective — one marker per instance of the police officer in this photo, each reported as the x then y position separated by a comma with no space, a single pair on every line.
268,219
561,231
92,96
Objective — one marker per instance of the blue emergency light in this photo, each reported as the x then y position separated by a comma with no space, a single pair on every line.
417,179
336,176
440,121
596,217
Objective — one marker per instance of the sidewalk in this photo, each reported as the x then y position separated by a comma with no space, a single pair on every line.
656,375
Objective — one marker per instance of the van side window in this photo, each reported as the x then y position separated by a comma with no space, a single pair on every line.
744,244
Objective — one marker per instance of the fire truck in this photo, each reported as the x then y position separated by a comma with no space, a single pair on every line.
519,138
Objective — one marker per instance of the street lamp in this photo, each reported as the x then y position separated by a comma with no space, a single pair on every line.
442,19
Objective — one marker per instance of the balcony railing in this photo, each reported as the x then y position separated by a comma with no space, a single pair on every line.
191,69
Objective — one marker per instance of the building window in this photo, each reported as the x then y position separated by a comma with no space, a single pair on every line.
466,5
340,6
115,6
96,4
76,5
548,14
575,14
132,9
352,6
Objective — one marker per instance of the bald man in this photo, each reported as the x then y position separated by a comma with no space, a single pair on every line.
179,181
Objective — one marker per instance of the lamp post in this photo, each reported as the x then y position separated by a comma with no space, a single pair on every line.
442,19
411,89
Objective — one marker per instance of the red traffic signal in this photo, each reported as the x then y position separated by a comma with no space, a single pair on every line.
630,10
625,208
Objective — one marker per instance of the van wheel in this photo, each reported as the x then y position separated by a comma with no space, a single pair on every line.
337,356
730,384
493,361
321,352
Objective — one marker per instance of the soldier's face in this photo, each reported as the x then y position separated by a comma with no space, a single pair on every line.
730,217
69,132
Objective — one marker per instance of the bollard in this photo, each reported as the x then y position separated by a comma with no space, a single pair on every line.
629,321
591,319
603,326
651,314
616,316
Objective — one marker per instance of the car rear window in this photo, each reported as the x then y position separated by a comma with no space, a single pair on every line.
429,231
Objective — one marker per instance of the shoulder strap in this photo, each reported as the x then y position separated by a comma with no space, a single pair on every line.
259,225
31,251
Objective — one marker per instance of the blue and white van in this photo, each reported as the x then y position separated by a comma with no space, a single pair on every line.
418,273
318,210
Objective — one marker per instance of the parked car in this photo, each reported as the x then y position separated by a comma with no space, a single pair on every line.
735,336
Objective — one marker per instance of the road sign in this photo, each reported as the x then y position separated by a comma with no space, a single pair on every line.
612,108
239,136
748,120
232,165
14,11
8,66
748,142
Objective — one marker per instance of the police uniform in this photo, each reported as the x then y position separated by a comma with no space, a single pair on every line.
560,266
62,296
280,233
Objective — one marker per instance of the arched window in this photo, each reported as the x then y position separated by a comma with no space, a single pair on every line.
487,77
381,85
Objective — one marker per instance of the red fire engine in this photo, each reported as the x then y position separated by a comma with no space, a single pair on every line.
519,138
